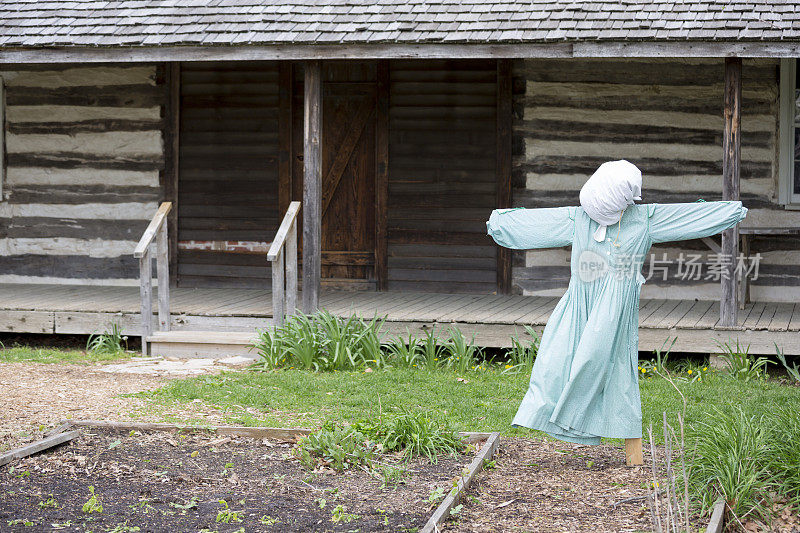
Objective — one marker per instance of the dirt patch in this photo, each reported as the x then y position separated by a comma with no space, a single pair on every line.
36,394
539,485
164,482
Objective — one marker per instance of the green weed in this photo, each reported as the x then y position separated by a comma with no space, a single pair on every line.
340,515
741,365
111,341
226,515
93,504
794,370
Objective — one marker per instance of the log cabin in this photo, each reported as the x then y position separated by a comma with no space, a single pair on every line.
398,127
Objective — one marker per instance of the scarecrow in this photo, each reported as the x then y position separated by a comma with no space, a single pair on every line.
584,383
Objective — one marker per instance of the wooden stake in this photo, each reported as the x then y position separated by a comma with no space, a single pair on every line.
633,452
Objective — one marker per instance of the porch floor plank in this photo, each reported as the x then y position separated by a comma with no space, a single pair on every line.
490,316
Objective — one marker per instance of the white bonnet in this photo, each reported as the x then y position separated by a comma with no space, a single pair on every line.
612,188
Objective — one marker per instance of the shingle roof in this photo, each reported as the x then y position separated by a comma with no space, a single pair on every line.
39,23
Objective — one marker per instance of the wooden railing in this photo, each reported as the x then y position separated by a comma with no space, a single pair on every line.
157,229
283,255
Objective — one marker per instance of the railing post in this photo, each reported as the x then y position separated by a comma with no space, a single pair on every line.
277,289
146,293
291,270
162,272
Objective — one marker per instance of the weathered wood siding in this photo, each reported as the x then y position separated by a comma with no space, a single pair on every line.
84,152
442,187
228,180
666,117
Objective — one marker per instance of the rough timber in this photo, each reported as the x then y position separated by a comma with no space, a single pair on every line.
492,319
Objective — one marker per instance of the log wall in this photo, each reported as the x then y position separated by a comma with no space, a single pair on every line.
442,186
84,154
666,117
228,179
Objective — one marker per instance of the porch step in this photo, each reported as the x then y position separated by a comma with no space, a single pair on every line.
204,344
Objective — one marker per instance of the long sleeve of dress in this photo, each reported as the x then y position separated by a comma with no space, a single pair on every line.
676,222
524,229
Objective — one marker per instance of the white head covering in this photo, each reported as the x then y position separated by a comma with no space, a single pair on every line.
612,188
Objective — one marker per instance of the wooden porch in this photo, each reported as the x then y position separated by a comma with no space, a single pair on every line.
493,319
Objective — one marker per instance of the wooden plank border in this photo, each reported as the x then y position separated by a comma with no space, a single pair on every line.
443,511
717,521
38,446
503,165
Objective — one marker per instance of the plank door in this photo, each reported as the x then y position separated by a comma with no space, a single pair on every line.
348,171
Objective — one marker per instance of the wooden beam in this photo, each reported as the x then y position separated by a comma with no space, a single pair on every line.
284,135
503,165
306,52
731,160
172,161
382,178
38,446
312,185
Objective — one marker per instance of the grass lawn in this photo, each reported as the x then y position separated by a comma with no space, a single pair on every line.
475,401
20,354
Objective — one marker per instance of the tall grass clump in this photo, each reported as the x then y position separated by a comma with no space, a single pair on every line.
321,342
522,354
110,342
460,354
740,364
730,460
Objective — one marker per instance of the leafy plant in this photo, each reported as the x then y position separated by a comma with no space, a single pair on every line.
784,453
794,370
226,515
93,505
267,520
340,514
413,433
404,353
49,503
522,355
321,342
741,365
111,341
430,349
337,446
459,353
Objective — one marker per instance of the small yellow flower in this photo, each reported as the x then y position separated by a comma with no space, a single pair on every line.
705,369
508,366
689,371
644,371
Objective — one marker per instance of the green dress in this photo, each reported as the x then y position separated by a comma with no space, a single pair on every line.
585,383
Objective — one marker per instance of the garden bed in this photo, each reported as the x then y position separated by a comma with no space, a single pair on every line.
190,482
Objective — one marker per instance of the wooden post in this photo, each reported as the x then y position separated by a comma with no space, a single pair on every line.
291,270
633,452
312,185
162,272
277,290
731,158
146,294
503,165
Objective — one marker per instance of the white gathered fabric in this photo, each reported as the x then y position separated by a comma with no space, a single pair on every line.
613,187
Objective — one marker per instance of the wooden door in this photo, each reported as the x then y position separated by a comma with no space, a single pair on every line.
348,171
